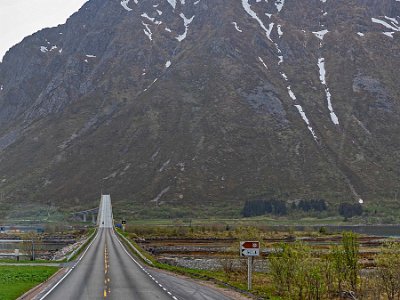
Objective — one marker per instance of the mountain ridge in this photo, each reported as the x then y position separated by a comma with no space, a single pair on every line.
235,109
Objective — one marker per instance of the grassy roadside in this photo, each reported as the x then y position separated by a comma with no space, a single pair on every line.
236,280
16,280
26,261
91,233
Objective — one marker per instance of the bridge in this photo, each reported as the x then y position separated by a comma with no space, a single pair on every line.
86,215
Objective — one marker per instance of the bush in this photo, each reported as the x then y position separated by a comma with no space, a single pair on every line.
298,274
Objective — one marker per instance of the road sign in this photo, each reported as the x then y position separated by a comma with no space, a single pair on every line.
250,248
250,252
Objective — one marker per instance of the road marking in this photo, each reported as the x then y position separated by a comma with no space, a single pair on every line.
143,269
106,270
65,276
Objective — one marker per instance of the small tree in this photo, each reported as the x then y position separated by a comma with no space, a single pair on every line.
298,274
388,270
351,256
338,267
284,266
345,266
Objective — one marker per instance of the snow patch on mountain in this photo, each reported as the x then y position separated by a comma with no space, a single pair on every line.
322,77
147,31
279,4
247,7
280,32
390,23
237,27
392,26
262,61
322,71
186,22
124,4
389,34
173,3
291,94
321,34
306,120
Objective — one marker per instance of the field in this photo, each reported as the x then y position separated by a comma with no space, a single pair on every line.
16,280
253,221
314,260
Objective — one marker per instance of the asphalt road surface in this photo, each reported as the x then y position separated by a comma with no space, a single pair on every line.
107,271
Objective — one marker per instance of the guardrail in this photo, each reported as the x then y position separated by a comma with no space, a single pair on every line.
144,258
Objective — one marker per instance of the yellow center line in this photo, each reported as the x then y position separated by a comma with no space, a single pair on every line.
106,267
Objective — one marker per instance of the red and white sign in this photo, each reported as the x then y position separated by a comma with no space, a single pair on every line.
250,248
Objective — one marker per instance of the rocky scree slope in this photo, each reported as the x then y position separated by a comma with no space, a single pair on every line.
183,107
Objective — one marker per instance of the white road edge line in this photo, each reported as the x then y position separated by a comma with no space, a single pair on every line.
126,251
73,267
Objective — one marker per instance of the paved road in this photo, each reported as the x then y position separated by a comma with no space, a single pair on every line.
105,219
108,271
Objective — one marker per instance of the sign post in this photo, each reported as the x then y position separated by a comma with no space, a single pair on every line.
123,225
249,249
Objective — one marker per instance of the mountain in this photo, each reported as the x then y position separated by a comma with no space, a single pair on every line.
189,108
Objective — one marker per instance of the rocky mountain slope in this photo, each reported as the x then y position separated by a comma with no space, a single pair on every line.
184,107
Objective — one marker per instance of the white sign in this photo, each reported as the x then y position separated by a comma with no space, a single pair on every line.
250,252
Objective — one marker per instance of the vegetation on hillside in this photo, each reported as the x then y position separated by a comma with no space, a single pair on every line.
275,207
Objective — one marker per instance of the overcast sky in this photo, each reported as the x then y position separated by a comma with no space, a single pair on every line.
20,18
